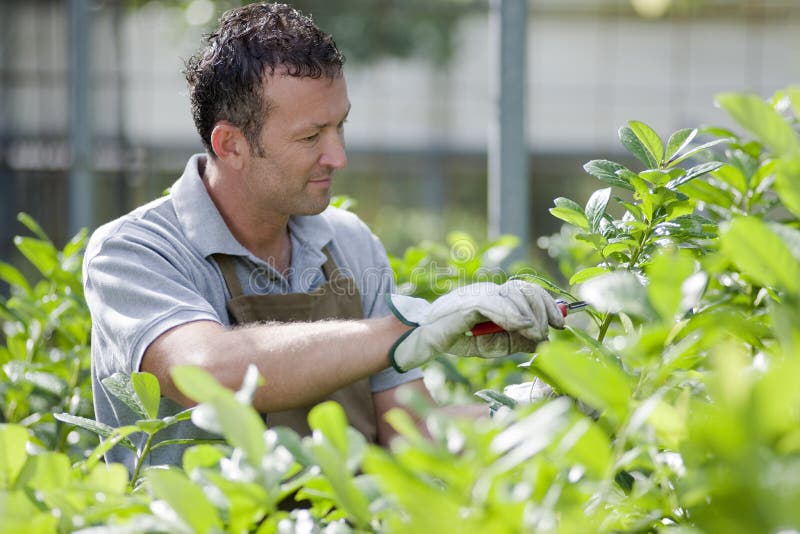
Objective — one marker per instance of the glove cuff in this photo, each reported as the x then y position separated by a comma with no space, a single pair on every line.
409,310
393,353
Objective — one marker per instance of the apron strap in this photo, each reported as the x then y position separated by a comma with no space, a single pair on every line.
329,268
228,268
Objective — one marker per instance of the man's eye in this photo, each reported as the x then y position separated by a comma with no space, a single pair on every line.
312,137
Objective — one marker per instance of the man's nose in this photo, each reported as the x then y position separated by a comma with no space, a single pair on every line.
334,154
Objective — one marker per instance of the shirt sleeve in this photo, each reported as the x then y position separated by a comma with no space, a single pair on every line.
378,281
136,291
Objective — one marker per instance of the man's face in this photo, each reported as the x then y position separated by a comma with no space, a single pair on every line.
302,144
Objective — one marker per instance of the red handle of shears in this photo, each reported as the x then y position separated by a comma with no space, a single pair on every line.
489,327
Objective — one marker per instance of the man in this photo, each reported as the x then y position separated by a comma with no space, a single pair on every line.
245,238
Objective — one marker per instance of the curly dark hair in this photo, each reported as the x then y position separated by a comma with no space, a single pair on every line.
225,77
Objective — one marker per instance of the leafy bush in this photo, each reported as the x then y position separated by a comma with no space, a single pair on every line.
673,405
45,358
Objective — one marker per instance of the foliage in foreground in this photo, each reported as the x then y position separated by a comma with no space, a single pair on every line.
674,403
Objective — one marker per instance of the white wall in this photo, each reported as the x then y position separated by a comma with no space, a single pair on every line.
586,77
588,74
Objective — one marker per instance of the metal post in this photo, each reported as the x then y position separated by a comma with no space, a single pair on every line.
508,147
81,186
8,196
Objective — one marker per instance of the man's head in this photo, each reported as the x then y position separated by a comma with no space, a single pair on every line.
226,76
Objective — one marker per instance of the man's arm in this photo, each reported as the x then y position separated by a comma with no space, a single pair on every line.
300,362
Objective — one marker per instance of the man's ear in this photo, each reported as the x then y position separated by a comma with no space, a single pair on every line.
229,144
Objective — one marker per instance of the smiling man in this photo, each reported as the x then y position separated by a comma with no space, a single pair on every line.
244,263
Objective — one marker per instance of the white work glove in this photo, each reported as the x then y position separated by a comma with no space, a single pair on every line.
522,309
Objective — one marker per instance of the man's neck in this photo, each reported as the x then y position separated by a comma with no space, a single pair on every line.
264,234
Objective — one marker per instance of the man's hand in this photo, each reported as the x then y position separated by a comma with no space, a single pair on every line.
522,309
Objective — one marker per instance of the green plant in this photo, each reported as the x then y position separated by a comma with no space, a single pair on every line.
674,405
44,362
41,493
696,284
237,484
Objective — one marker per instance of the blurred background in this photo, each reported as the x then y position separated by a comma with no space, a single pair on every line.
91,94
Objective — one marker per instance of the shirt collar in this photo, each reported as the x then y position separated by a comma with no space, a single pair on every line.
312,233
201,221
205,228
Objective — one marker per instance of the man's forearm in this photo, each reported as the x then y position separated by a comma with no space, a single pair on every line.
300,362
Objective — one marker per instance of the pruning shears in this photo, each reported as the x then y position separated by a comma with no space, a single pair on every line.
489,327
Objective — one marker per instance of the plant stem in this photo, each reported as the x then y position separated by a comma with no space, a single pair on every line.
140,459
604,326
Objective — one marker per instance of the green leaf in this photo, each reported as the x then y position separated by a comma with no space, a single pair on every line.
609,172
150,426
344,202
761,120
694,172
666,273
201,456
101,429
649,139
330,419
732,176
655,176
529,436
111,479
586,274
42,254
633,209
678,141
13,439
241,425
763,176
599,350
33,226
790,237
331,447
634,145
47,382
121,386
574,217
696,150
584,377
596,208
20,513
197,384
708,193
777,388
562,202
794,97
615,292
148,392
185,498
619,247
13,277
495,399
45,472
645,197
761,254
119,436
587,445
787,184
291,440
188,441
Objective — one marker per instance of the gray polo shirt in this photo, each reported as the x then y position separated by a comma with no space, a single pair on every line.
151,270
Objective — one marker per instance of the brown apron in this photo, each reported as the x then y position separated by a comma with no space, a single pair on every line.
337,298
